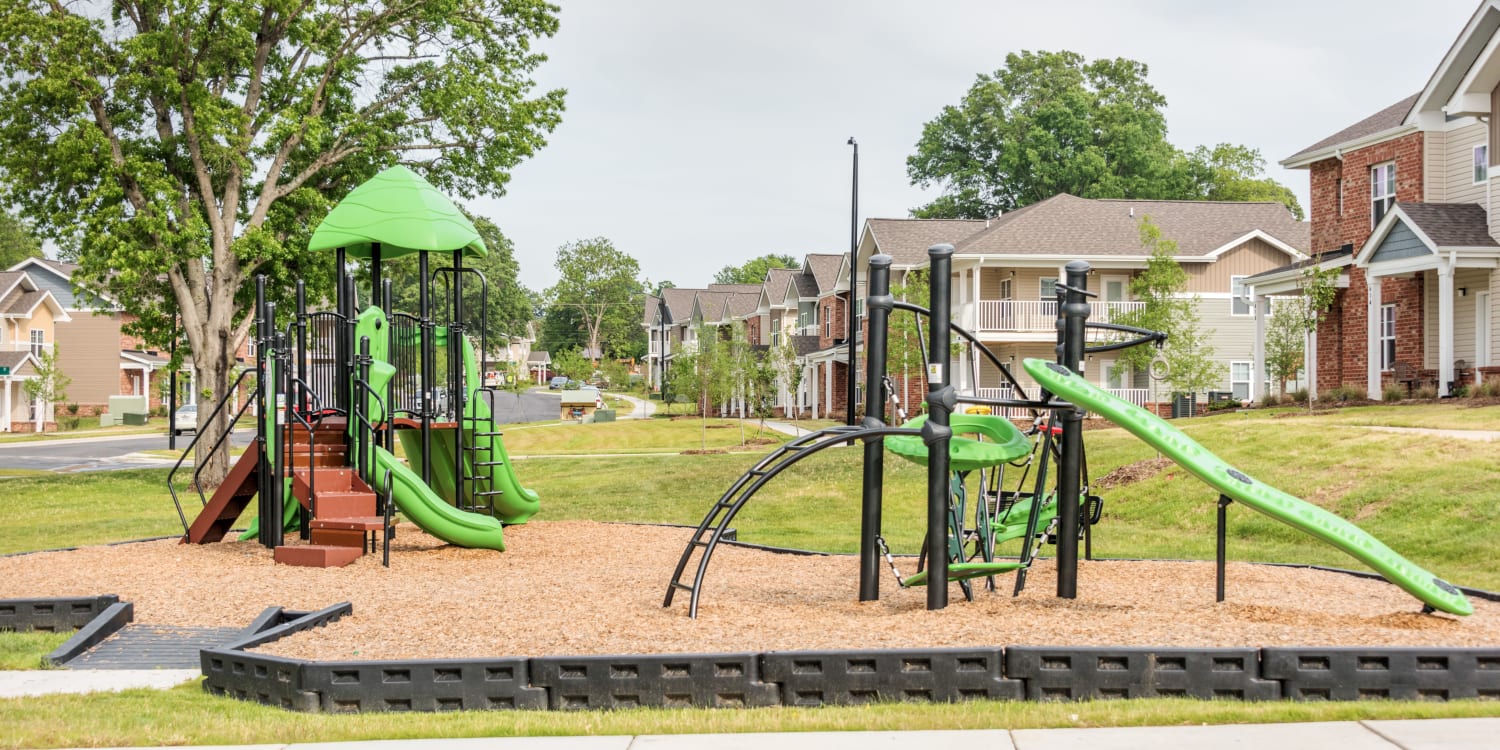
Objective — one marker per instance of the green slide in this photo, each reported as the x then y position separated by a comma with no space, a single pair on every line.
515,503
429,512
1235,484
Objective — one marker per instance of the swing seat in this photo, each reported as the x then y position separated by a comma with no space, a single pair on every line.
1006,443
965,571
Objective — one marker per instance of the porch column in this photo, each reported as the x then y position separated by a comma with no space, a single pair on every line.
1445,328
828,388
1372,334
1310,363
1258,353
5,406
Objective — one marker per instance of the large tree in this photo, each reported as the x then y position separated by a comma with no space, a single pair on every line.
601,285
187,145
1166,306
1054,122
17,243
753,271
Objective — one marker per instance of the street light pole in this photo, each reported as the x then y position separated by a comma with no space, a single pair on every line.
853,283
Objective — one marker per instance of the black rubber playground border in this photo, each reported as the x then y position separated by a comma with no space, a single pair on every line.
791,678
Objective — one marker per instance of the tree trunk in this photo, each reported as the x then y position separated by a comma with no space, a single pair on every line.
213,371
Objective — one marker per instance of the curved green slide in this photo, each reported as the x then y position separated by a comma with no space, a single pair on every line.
515,503
424,508
1235,484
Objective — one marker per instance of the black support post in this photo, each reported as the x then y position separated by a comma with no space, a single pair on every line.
343,352
1224,502
457,388
172,395
424,312
390,385
935,432
375,274
853,324
878,304
1072,315
264,418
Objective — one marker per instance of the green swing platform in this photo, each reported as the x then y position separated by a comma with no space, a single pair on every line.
1004,443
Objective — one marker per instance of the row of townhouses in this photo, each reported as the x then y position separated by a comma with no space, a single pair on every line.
1402,205
1004,272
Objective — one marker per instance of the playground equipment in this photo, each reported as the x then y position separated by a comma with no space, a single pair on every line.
1058,508
334,391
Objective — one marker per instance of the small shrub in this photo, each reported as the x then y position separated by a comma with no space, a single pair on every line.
1393,393
1487,389
1461,391
1344,393
72,408
1270,399
1425,392
1299,396
68,422
1224,405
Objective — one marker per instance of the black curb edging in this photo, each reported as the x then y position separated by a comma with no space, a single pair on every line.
818,678
106,624
53,614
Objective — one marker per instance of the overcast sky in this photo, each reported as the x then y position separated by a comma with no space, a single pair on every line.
702,134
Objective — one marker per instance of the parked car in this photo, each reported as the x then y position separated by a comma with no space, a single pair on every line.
187,419
558,383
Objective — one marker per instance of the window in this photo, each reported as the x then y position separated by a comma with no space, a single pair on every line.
1338,186
1387,336
38,340
1113,376
827,321
1481,163
1239,302
1382,191
1239,380
1049,289
1005,289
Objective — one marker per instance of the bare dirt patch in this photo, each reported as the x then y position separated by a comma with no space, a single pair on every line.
1131,473
581,587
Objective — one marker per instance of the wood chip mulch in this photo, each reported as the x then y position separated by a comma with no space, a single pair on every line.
576,587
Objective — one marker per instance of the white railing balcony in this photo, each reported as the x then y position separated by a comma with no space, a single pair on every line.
1137,396
1038,316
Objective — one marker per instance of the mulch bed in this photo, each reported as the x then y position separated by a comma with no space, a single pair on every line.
578,587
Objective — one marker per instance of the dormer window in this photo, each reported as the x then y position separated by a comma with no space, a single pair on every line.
1481,163
1382,191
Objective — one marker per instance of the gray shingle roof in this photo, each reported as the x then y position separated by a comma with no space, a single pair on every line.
540,357
711,304
776,281
21,301
1385,119
13,360
807,286
825,270
1065,225
907,240
649,310
804,345
9,279
735,288
742,304
1342,252
1451,224
680,303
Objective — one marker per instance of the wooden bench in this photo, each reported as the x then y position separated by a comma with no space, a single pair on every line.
1404,374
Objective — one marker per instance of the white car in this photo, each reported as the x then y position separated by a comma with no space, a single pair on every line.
187,419
598,397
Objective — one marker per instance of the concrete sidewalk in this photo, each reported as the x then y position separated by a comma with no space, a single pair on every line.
1430,734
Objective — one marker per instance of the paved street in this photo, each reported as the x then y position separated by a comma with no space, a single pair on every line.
95,453
534,405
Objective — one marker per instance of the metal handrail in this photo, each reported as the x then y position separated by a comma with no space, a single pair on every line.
299,417
358,413
197,434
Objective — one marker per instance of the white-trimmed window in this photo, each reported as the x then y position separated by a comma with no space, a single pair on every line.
1382,191
1239,299
1387,336
1005,289
1481,163
1338,183
38,341
1048,289
1114,377
1239,379
827,321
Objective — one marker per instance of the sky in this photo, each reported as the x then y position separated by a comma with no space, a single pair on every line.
702,134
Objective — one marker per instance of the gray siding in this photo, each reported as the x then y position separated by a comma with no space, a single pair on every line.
1400,243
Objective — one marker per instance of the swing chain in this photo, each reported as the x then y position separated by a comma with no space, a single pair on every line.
889,560
890,389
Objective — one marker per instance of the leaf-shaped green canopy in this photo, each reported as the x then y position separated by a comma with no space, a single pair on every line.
402,212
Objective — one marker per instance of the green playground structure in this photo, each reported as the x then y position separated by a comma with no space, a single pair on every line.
1051,502
335,391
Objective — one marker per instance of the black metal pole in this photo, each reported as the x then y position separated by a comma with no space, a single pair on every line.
878,302
1224,502
457,388
304,521
343,354
1072,315
263,431
172,394
936,433
661,314
424,312
853,283
375,276
390,385
366,472
271,523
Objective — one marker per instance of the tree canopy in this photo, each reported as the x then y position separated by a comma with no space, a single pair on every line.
509,305
1054,122
17,243
1189,358
599,290
186,146
753,271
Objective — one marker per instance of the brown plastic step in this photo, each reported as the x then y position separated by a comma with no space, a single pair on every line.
317,555
228,501
339,537
327,481
348,532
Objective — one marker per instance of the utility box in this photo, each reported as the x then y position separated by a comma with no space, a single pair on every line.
1184,405
604,415
135,420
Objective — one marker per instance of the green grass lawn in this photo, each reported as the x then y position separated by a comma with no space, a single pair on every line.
1433,500
1457,414
26,650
